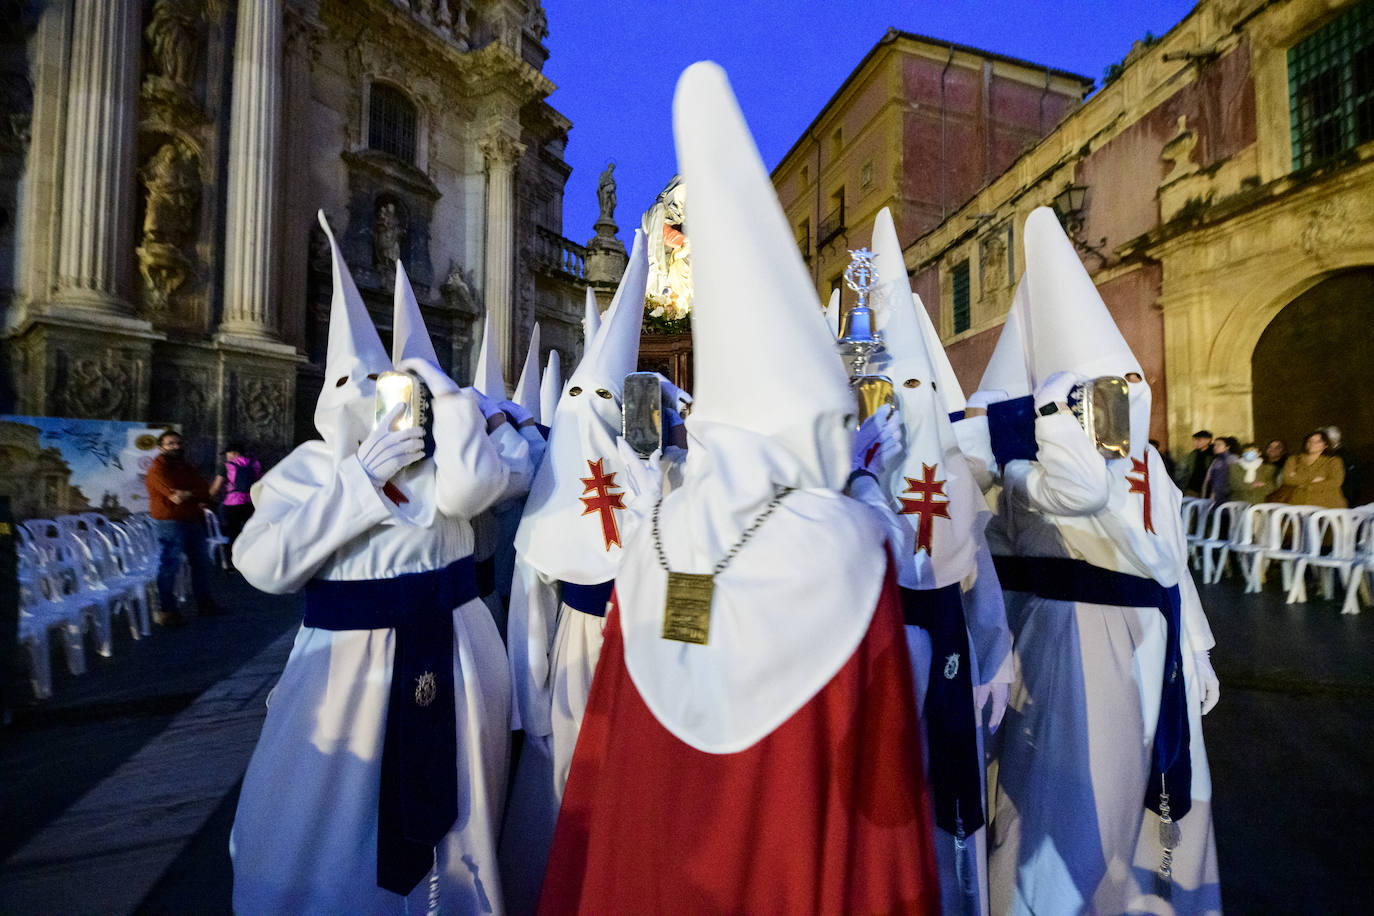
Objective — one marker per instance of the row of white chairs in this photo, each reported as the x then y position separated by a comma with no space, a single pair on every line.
77,573
1334,543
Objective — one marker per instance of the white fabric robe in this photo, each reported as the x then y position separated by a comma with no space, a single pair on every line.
305,836
989,660
1070,832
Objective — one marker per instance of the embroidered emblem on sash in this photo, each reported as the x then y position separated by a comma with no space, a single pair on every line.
426,689
951,666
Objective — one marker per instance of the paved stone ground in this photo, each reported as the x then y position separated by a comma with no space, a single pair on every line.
118,795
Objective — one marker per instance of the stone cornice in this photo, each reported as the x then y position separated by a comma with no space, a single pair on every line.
496,68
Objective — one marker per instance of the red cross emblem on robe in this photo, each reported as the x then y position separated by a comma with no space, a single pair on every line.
603,500
1141,485
924,506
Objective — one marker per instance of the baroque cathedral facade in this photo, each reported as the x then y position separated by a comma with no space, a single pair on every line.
162,163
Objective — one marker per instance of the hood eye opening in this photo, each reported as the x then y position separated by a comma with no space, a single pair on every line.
912,383
603,393
1134,377
343,380
574,391
372,376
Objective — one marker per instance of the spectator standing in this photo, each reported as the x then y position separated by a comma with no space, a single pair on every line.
1164,454
1192,468
1314,475
1253,478
1350,489
1216,485
241,471
177,495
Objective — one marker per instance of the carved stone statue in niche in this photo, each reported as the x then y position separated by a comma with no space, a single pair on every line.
171,178
388,233
174,40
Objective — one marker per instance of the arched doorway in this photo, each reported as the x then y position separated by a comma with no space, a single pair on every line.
1314,366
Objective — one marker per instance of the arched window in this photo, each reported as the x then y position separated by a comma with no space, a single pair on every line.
391,123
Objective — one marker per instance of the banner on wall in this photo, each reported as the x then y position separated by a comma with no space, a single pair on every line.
51,466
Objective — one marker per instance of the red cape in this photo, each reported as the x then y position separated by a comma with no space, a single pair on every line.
828,814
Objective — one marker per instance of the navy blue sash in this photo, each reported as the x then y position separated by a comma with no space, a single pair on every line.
543,430
955,416
1011,427
486,576
951,729
1064,579
418,802
589,599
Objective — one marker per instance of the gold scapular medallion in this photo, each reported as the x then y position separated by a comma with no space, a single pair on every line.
687,606
687,609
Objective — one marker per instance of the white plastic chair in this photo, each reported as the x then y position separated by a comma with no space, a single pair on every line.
216,544
1283,544
128,591
1215,547
45,608
1194,512
142,577
1362,570
1247,540
1330,548
88,592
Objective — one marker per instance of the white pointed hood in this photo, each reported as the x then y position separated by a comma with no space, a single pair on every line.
489,376
947,383
527,389
563,532
354,358
591,320
1006,368
772,409
1068,326
932,488
550,387
410,340
832,312
1068,329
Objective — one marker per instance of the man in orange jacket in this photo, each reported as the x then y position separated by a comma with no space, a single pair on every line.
177,494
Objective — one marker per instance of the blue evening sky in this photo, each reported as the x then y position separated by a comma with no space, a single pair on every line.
615,63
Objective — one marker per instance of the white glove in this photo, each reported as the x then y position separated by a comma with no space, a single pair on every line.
644,476
516,412
877,442
675,395
385,452
1055,389
435,379
997,692
1207,681
984,398
490,409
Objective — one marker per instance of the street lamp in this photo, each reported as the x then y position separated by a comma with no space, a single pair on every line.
1069,205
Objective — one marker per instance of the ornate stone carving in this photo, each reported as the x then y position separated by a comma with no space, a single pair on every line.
457,289
96,387
1179,151
1327,226
500,149
537,21
172,181
173,35
259,409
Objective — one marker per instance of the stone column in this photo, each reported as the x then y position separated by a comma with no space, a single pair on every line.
498,285
251,223
95,248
